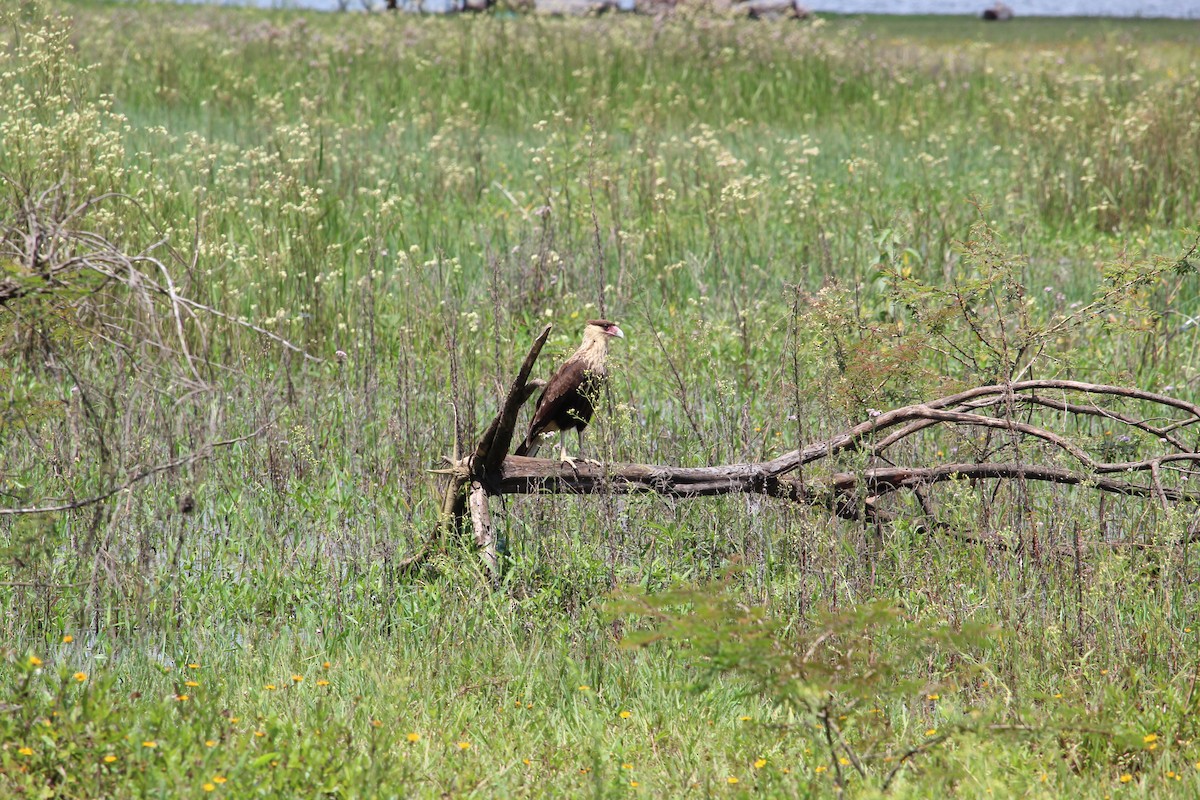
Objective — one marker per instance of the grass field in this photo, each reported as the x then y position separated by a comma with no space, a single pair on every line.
776,214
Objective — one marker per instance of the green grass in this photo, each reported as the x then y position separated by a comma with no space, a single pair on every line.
748,201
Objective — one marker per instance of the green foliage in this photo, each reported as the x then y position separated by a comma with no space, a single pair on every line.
794,224
835,666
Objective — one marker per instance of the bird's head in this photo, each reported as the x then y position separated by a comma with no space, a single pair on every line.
605,327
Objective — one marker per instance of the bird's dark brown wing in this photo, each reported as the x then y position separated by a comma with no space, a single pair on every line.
568,401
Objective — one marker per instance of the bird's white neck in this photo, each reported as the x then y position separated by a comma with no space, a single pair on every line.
594,349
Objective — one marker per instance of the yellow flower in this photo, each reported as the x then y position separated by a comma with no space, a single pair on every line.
760,763
625,714
584,687
526,761
68,639
80,676
787,771
931,732
1126,778
325,665
627,766
270,687
259,734
744,718
210,742
208,787
634,784
933,697
322,682
150,743
376,723
191,684
731,780
845,762
821,769
219,779
1150,738
235,719
110,758
182,698
413,737
464,745
26,751
193,666
297,678
34,661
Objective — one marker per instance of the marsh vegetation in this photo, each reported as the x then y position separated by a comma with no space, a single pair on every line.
262,270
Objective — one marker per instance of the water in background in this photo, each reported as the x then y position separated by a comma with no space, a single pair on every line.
1177,9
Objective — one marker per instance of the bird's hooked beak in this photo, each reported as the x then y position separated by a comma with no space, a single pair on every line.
614,330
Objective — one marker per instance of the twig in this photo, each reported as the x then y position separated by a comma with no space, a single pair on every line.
199,455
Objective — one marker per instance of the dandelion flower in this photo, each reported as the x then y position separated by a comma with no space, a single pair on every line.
634,784
270,687
150,743
933,697
322,682
235,719
34,661
464,745
182,698
821,769
210,742
219,779
297,678
625,714
931,732
744,718
68,639
191,684
259,734
1150,738
413,737
26,751
732,780
526,761
208,787
583,687
1126,778
760,763
193,666
845,762
110,758
80,676
325,665
627,766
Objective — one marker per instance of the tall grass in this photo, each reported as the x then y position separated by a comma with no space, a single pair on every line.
423,195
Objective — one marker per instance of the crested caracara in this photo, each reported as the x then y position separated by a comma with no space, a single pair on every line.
570,395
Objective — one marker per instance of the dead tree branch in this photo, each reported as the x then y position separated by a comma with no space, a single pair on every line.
852,483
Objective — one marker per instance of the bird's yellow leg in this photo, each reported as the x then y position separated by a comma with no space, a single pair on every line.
562,453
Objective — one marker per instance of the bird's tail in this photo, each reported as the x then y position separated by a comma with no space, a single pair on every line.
529,447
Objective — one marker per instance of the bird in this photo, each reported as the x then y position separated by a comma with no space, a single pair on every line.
569,397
